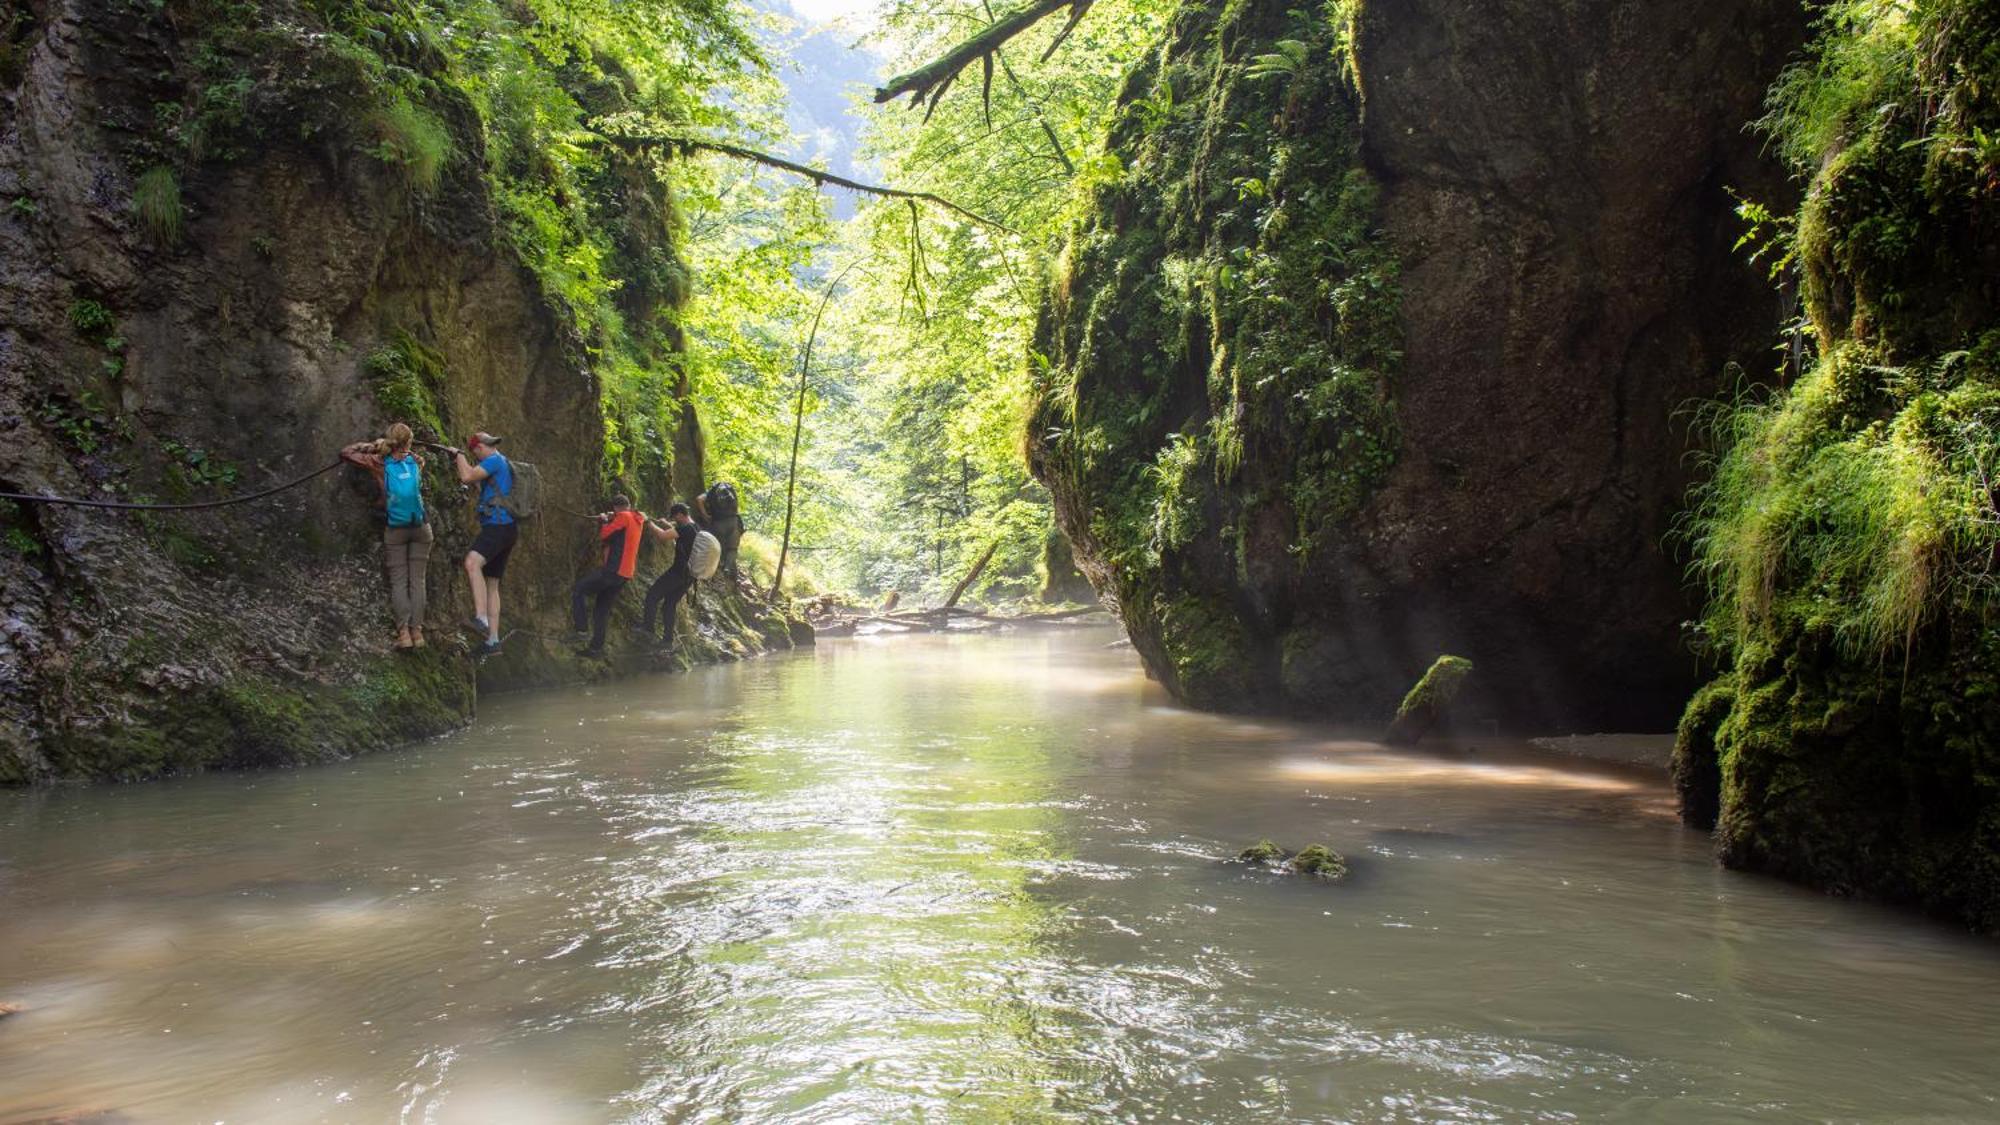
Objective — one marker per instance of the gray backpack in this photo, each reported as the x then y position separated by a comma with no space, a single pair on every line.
525,499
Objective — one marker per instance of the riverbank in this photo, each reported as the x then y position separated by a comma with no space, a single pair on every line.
307,701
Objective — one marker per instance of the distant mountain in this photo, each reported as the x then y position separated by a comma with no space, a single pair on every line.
822,71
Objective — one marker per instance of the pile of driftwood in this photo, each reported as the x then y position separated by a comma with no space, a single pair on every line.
942,618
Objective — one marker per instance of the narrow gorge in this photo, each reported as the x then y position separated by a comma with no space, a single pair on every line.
234,241
1406,328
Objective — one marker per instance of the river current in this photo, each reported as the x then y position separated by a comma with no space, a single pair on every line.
944,879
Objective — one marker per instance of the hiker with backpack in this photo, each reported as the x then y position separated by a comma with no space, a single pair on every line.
486,561
620,530
696,553
406,530
720,515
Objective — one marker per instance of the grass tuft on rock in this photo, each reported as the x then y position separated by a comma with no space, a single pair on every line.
156,203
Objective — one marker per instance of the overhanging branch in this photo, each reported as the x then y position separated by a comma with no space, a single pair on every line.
684,145
927,84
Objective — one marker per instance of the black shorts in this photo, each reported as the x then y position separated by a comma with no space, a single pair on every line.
494,543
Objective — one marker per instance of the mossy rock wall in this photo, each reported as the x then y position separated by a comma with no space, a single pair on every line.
1851,534
312,293
1370,347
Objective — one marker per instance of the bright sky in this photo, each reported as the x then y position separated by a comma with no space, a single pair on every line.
820,11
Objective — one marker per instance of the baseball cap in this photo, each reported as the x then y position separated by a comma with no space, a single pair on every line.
481,437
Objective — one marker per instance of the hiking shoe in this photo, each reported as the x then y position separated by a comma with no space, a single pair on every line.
663,648
487,648
478,625
594,652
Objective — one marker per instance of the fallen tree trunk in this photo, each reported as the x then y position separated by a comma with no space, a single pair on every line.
972,575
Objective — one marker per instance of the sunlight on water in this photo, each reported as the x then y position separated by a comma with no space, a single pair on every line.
943,878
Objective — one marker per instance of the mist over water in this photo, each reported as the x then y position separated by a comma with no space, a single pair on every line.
948,878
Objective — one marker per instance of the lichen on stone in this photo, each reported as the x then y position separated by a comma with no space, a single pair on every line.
1319,862
1263,852
1425,705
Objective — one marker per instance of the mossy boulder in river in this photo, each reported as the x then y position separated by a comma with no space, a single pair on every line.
1428,702
1316,861
1369,347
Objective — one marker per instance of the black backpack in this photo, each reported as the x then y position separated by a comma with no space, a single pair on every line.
721,500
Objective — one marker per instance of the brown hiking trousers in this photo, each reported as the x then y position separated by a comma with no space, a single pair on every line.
409,551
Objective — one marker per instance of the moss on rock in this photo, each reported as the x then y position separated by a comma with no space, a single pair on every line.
1850,529
1317,861
248,720
1227,295
1425,705
1314,861
1263,851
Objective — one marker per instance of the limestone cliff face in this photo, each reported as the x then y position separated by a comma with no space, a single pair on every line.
311,295
1449,267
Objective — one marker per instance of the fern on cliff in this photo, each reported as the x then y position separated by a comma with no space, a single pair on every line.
1862,500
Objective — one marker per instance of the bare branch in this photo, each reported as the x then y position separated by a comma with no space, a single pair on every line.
686,144
1076,13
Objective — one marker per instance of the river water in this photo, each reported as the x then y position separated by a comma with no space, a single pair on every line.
944,878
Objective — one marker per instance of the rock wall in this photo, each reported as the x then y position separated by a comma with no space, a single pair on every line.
311,295
1373,350
1851,531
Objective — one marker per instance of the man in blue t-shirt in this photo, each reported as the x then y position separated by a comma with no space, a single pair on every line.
481,463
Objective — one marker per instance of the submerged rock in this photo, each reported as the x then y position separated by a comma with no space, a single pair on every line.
1315,861
1262,852
1320,862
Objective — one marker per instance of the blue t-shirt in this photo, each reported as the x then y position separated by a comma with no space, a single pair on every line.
499,482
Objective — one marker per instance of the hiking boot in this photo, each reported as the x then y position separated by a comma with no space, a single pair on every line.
486,648
417,638
478,625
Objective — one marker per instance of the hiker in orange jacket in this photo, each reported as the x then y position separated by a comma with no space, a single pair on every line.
620,530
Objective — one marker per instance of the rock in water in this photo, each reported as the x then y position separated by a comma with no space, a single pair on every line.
1315,861
1319,862
1262,852
1426,704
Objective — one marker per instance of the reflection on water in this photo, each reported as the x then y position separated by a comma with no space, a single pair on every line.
942,878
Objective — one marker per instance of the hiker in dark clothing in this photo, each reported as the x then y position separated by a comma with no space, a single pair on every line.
621,532
721,516
670,587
